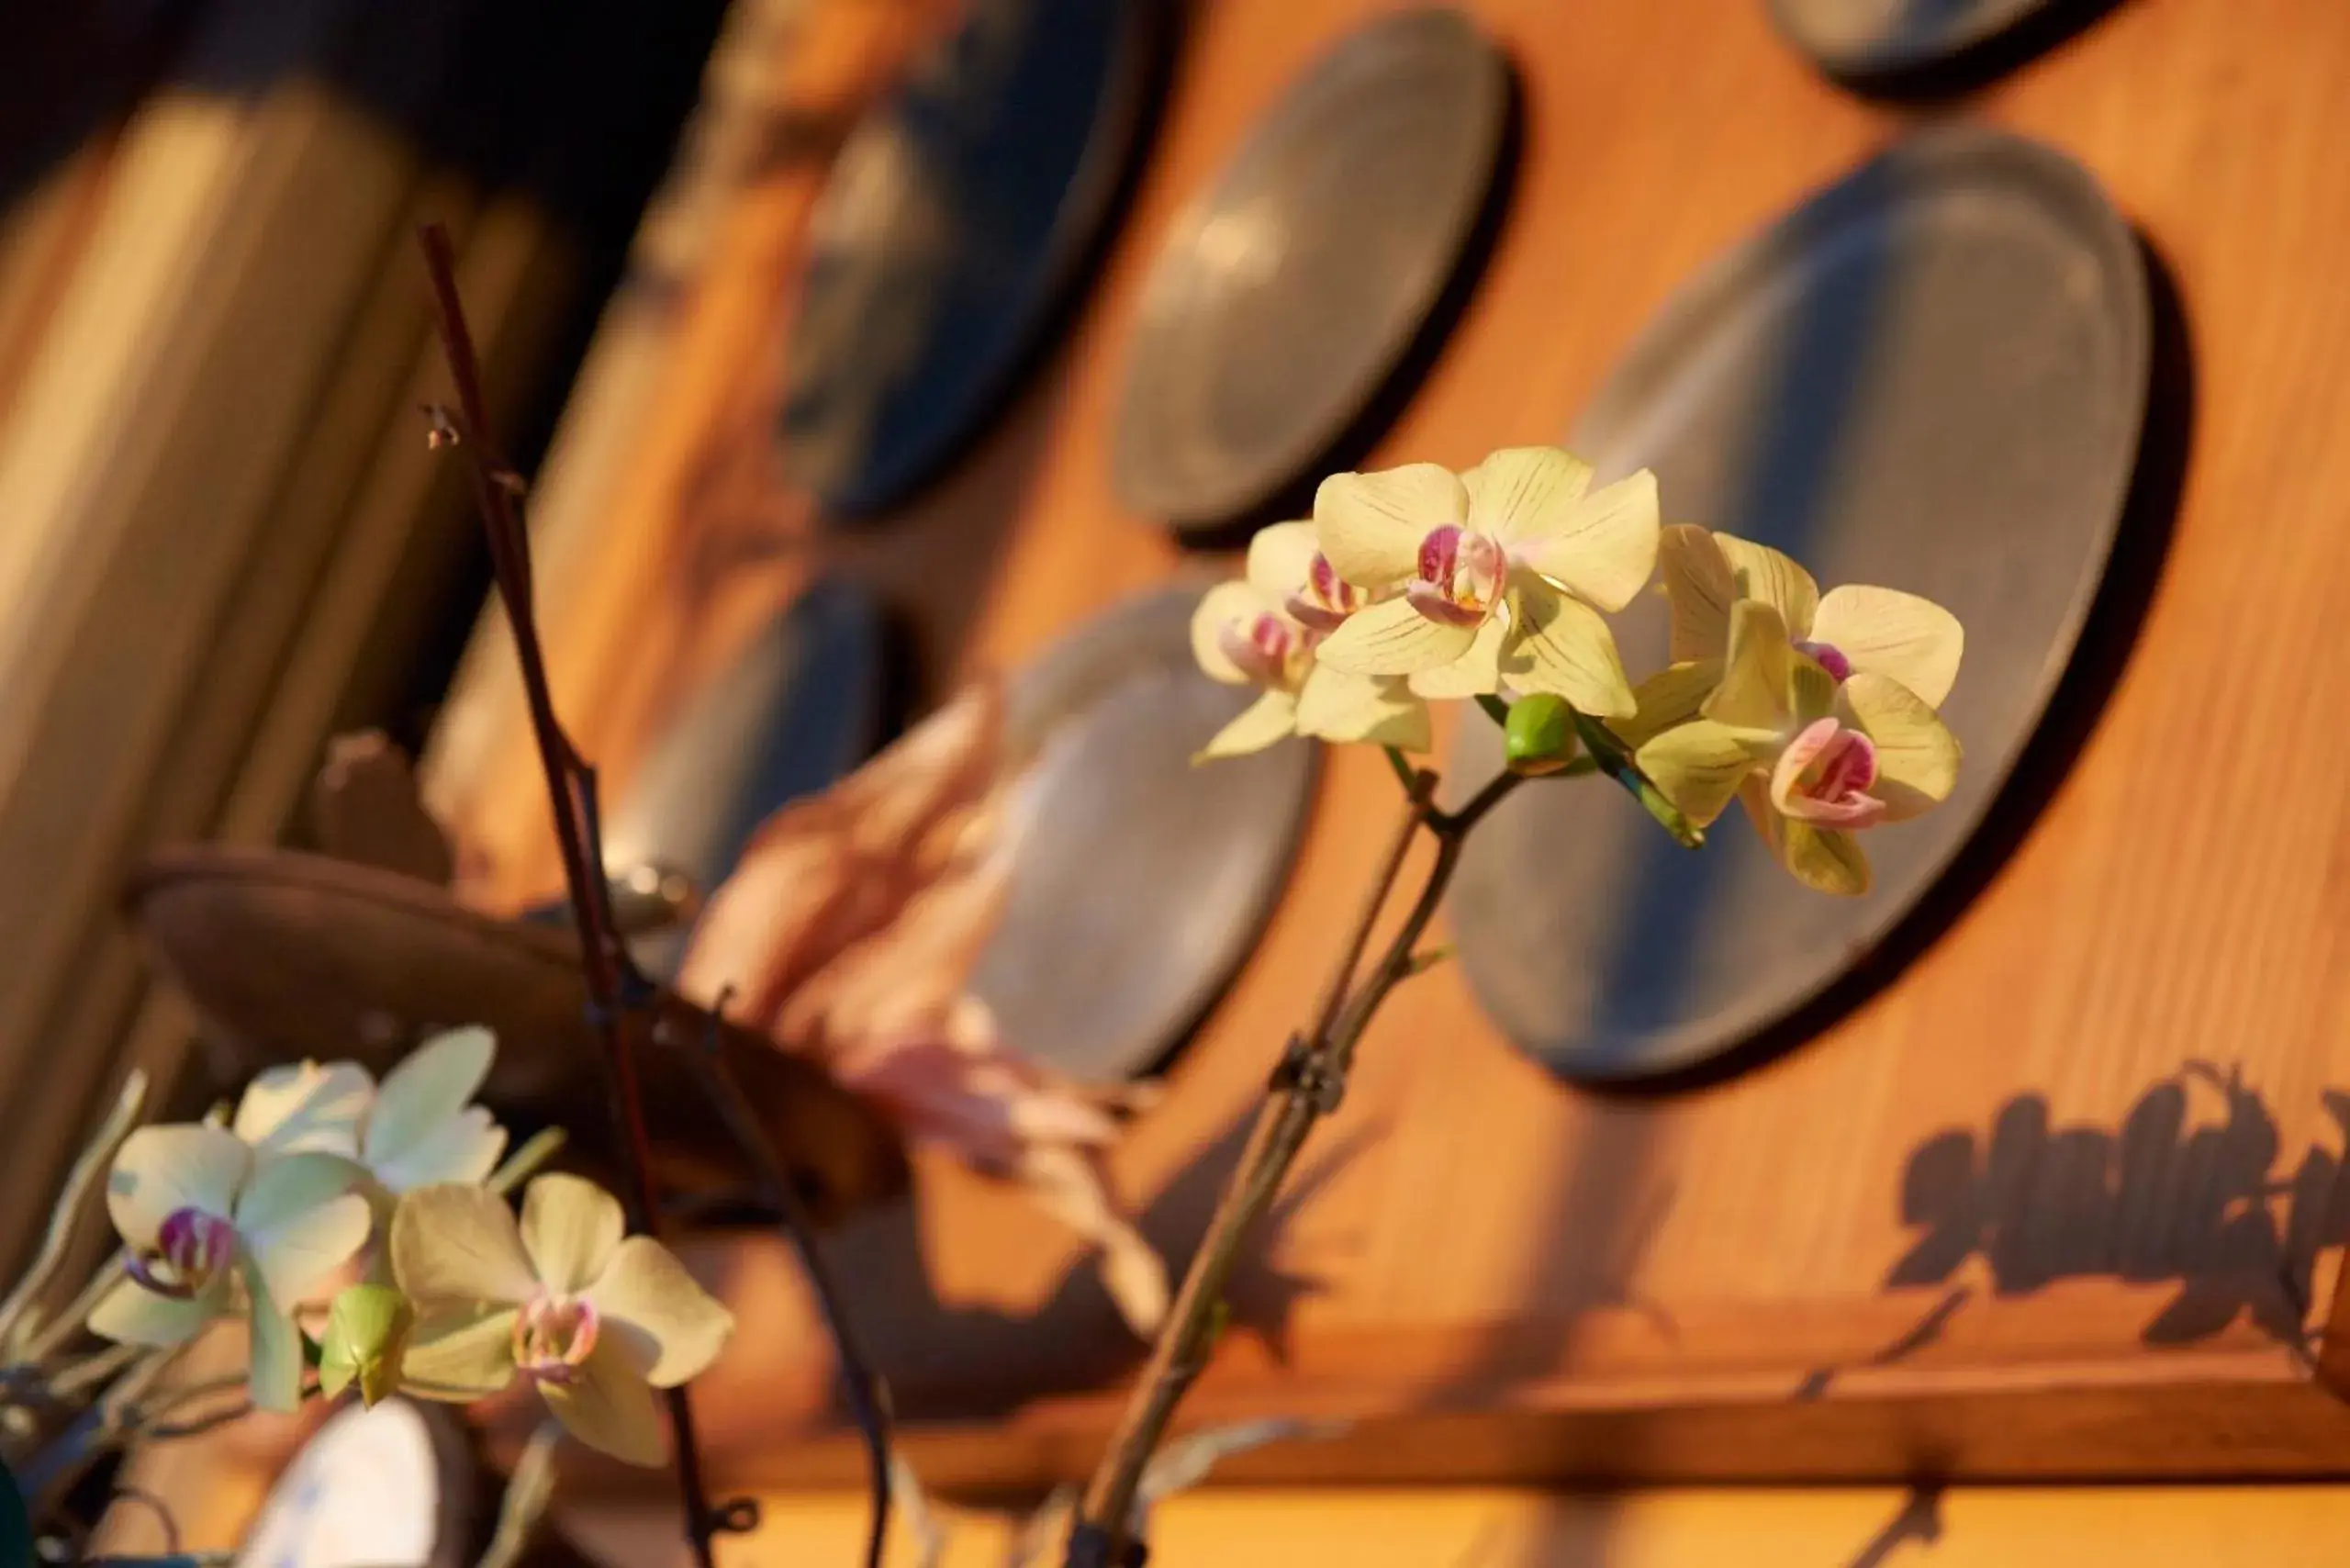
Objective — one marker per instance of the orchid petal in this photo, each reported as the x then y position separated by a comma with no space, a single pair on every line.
1916,757
1280,556
609,1407
464,1148
287,1187
1757,679
275,1346
1370,525
1273,717
438,1079
294,1236
1824,859
672,1327
1701,586
570,1228
1559,644
1886,632
1392,638
159,1171
1673,695
1811,690
1373,710
1220,607
1602,547
1698,767
459,1243
130,1314
304,1107
1474,673
1773,578
1524,494
459,1356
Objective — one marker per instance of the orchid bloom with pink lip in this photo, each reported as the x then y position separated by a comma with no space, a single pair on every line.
1497,576
1813,758
211,1229
1265,631
595,1320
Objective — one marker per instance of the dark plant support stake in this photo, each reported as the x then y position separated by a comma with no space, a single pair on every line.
618,993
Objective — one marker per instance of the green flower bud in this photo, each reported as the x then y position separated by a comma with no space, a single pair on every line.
1539,736
366,1337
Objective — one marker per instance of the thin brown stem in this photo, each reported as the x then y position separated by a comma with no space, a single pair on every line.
618,994
571,791
868,1396
1306,1087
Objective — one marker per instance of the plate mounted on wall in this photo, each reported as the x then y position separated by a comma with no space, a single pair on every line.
1875,44
956,226
1931,375
1140,883
1291,292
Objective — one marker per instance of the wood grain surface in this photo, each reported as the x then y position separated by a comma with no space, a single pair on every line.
2056,1198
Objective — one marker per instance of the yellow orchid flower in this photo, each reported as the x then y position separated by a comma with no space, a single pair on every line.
1814,759
1850,630
209,1228
1504,570
595,1321
1264,631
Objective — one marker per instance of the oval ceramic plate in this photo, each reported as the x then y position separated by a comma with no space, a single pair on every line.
1931,377
796,710
954,224
1140,881
1289,292
1861,39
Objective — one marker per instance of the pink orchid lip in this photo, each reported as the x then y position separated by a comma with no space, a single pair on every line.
1825,774
1829,657
192,1248
1459,576
1326,600
553,1337
1263,649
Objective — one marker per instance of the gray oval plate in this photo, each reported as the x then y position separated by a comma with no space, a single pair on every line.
1289,292
1140,883
797,710
1932,376
1860,40
953,228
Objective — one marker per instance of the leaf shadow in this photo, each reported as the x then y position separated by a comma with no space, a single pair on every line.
2153,1199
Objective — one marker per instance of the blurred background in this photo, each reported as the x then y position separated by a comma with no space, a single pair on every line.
221,538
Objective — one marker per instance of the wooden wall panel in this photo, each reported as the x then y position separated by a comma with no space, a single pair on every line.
1471,1236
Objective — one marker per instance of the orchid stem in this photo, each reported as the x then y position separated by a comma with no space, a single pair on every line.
1405,774
613,982
1306,1086
1609,756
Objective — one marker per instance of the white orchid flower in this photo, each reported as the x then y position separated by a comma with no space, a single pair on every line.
305,1107
211,1229
423,1127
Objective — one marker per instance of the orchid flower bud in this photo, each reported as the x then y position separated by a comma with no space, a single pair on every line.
1539,736
366,1338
